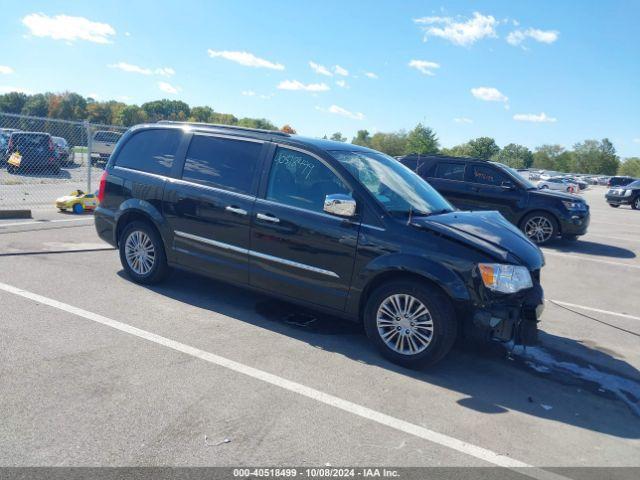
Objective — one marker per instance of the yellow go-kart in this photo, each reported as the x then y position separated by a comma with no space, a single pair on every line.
78,202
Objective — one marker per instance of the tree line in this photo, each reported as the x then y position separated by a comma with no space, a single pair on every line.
589,156
73,106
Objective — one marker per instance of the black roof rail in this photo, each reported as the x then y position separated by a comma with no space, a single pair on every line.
226,127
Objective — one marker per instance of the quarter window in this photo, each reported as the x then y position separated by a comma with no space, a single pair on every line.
450,171
222,163
302,181
151,151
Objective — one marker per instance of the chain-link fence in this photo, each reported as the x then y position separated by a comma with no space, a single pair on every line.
42,159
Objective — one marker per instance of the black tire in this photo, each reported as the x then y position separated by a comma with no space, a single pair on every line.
613,205
636,203
544,187
549,218
442,315
159,269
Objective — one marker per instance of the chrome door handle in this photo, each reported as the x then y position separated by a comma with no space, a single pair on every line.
237,210
268,218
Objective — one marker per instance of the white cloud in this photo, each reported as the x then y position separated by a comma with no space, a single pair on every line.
424,66
9,89
131,68
336,110
297,85
320,69
5,70
248,93
536,118
65,27
489,94
463,33
516,37
164,71
168,88
341,83
245,58
371,75
462,120
636,140
338,70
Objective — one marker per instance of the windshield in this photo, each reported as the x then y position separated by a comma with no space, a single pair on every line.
634,184
516,174
398,189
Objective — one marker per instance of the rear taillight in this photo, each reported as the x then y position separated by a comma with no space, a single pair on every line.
103,183
50,145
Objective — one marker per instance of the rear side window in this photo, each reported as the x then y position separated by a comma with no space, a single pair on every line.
151,151
488,176
222,163
450,171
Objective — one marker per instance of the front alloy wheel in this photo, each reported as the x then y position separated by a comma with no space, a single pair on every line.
412,323
404,324
539,228
636,204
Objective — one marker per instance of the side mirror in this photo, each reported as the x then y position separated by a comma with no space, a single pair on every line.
508,185
340,204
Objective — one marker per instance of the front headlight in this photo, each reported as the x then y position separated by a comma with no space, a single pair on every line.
572,205
505,278
627,193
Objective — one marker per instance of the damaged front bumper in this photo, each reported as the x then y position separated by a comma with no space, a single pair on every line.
512,317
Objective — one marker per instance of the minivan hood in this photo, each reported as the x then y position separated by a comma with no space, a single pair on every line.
487,231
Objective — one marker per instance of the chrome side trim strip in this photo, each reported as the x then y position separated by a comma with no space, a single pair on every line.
253,253
373,227
208,241
291,263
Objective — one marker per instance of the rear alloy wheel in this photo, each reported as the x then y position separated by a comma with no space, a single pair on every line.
78,209
540,227
412,324
636,203
142,253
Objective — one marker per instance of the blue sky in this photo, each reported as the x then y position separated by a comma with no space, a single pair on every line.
525,72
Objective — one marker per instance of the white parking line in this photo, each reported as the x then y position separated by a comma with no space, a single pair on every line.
317,395
43,222
548,253
591,309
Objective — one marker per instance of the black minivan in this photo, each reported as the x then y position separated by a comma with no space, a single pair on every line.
336,227
475,184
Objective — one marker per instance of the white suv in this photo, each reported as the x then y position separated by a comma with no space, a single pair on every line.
103,144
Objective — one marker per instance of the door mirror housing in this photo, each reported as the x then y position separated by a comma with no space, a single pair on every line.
340,204
508,185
